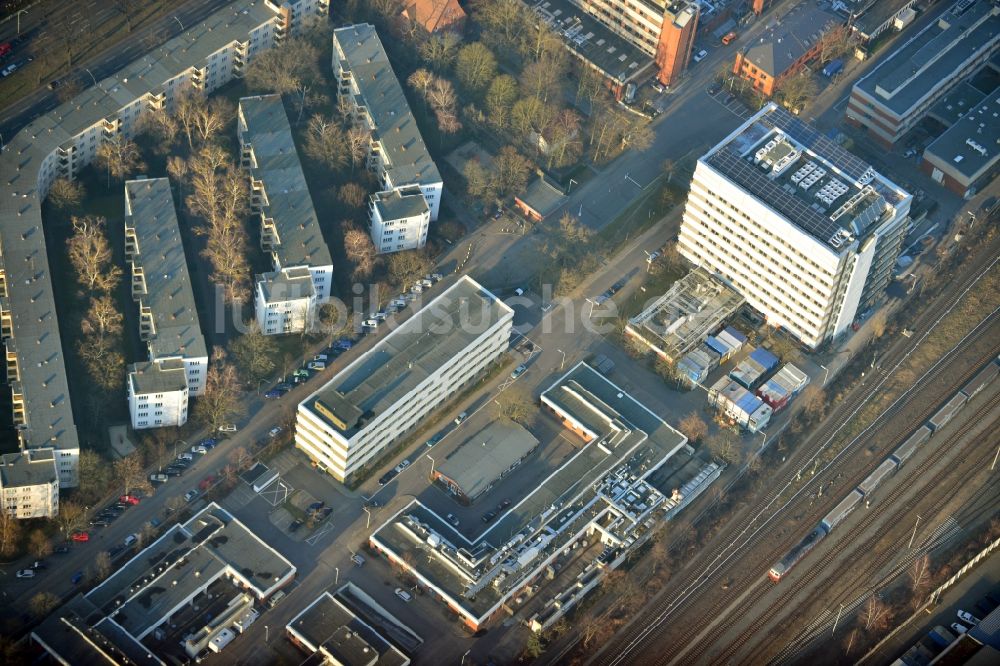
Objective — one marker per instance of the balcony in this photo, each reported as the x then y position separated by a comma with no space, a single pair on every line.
13,371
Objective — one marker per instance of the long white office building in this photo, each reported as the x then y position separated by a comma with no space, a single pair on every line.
57,145
348,423
805,231
289,229
397,153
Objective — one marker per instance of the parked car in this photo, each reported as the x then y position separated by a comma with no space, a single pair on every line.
190,495
461,417
518,371
503,504
61,550
80,536
197,448
77,577
274,432
387,477
403,594
959,628
700,55
658,87
39,565
453,519
344,344
159,478
275,598
714,88
173,471
26,573
273,394
729,37
227,427
402,465
130,540
489,516
968,617
316,506
317,365
185,456
295,525
99,522
370,323
435,439
358,560
129,499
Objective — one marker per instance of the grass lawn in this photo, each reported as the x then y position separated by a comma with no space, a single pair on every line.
639,216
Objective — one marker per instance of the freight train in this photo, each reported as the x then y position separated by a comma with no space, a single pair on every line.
895,460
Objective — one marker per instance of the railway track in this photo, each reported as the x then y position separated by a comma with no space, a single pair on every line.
848,542
636,635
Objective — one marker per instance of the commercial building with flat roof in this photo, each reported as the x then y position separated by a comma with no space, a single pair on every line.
966,157
870,18
158,394
901,89
29,484
348,423
331,633
604,492
161,284
786,47
806,232
396,153
679,320
618,58
289,229
171,599
57,145
484,458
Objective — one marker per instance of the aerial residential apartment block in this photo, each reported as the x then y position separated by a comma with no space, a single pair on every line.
805,231
57,145
161,286
285,301
158,394
397,153
394,386
896,94
29,484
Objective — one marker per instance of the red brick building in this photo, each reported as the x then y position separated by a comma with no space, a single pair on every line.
673,50
435,15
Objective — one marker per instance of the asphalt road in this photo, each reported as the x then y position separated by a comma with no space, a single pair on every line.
103,64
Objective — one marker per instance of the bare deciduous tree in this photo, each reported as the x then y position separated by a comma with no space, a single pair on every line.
39,544
725,446
408,265
875,616
500,98
90,255
361,252
352,195
813,401
65,193
10,534
103,318
102,565
120,156
512,171
920,580
254,353
440,50
71,517
130,474
476,66
325,142
42,603
291,69
693,427
220,402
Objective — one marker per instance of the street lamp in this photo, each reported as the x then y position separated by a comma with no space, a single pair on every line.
368,522
570,188
265,633
432,465
178,22
336,577
563,362
826,373
92,77
19,12
464,656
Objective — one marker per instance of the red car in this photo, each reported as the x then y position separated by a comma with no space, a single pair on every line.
80,536
130,499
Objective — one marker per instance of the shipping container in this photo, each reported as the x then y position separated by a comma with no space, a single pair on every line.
792,378
750,372
981,380
947,413
766,359
760,418
848,504
774,394
717,389
874,479
912,443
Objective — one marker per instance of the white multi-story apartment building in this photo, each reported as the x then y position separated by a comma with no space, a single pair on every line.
366,82
285,301
297,14
289,229
29,484
161,285
805,231
399,219
57,145
348,423
158,394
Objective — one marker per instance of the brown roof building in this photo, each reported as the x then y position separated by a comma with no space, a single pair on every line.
435,15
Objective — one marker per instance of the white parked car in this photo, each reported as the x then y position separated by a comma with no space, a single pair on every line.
198,448
959,628
403,465
227,427
700,55
403,594
967,617
26,573
190,495
185,456
274,432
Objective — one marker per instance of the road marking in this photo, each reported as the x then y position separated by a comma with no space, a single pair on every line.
323,531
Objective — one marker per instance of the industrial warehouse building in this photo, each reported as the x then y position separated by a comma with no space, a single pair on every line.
806,232
390,389
484,458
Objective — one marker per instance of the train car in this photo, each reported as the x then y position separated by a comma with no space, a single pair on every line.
983,379
912,443
947,413
800,550
869,485
846,505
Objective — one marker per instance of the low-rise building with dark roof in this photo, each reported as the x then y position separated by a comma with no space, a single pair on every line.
870,18
29,484
892,98
540,199
789,44
484,458
289,228
967,156
956,104
331,633
172,598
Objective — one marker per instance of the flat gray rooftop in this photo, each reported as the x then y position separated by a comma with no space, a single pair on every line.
486,455
971,147
39,347
932,55
28,468
169,295
592,40
327,625
876,13
542,197
407,159
286,285
157,377
818,186
278,167
397,204
956,103
409,354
